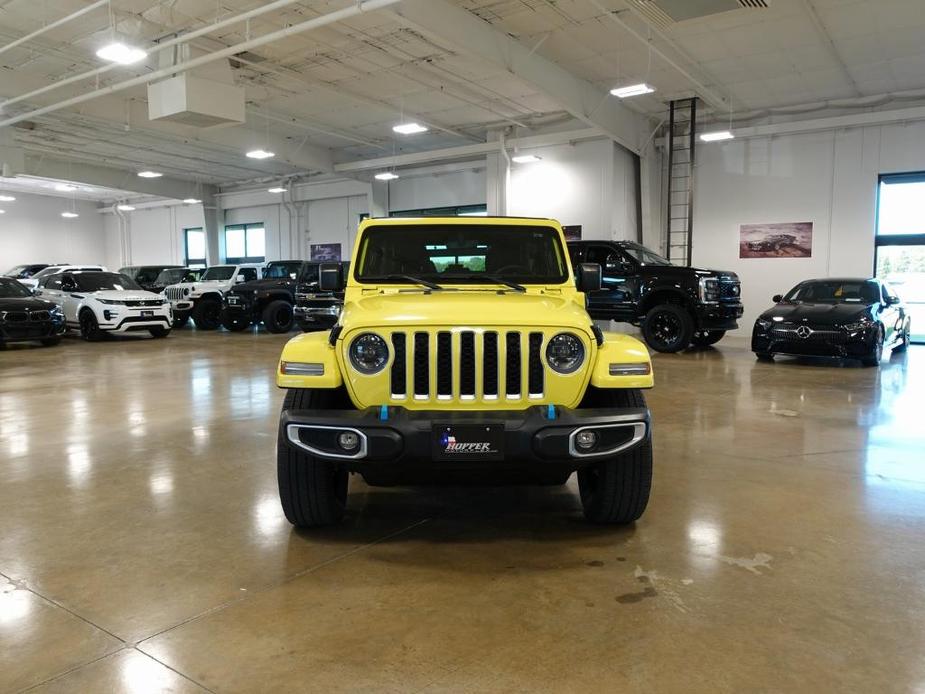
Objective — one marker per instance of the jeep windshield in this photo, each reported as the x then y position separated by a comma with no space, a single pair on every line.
282,271
103,281
643,254
461,254
174,276
219,273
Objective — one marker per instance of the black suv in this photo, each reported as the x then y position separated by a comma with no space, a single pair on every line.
269,299
146,276
674,306
316,309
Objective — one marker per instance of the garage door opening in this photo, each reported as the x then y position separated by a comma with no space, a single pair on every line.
900,242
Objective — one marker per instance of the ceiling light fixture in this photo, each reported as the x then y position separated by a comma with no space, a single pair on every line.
410,128
149,174
69,215
386,176
192,201
717,136
525,158
277,189
7,198
632,90
2,211
118,52
125,208
65,187
260,154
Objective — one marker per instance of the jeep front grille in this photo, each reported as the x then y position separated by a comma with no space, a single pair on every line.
174,293
467,365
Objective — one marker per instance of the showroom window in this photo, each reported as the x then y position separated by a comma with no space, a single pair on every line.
900,242
245,243
194,247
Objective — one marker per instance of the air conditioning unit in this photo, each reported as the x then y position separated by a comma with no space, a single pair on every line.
204,98
666,12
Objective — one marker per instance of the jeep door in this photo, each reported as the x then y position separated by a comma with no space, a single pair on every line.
619,283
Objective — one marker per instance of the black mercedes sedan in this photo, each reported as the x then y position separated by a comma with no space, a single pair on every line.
837,317
23,317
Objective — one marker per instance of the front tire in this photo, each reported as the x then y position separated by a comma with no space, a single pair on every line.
278,316
180,319
668,328
904,340
616,490
207,314
89,326
159,332
313,492
705,338
51,341
764,356
876,354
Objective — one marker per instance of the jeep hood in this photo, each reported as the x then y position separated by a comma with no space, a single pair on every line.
265,284
465,308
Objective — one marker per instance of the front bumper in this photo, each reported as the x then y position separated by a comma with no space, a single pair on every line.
181,306
120,323
23,331
722,316
394,439
820,343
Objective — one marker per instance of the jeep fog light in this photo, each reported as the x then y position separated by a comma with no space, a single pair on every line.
297,368
565,353
586,440
348,440
369,353
643,369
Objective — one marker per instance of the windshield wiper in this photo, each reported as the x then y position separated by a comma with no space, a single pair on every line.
406,278
497,280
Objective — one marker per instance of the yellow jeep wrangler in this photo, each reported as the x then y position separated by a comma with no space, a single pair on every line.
463,347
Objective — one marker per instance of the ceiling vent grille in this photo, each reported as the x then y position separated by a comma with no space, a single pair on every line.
664,13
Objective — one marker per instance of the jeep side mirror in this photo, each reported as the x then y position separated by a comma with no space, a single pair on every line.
238,279
892,300
589,277
331,277
777,298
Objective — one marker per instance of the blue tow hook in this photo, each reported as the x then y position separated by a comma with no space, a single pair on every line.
550,411
383,413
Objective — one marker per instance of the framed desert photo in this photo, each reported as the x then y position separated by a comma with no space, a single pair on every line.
779,240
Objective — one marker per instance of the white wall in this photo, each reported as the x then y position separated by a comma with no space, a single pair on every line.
32,230
450,189
589,183
828,178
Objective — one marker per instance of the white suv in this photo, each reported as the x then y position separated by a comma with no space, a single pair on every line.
202,300
106,302
33,282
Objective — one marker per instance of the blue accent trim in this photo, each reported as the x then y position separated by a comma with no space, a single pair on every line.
550,412
384,413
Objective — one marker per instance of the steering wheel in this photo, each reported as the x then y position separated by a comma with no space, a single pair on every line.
513,269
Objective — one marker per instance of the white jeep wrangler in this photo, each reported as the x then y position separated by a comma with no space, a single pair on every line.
202,300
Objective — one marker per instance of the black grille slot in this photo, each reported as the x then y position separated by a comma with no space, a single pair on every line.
490,364
421,364
39,316
16,316
399,365
535,372
467,363
512,375
444,363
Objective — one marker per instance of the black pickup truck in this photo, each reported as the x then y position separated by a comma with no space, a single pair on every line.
674,306
269,299
316,309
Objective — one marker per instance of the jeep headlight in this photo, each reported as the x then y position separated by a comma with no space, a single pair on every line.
565,353
186,291
369,353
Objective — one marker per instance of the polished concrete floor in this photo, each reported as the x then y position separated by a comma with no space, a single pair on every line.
142,546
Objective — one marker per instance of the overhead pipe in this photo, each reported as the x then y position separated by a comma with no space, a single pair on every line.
360,7
54,25
157,47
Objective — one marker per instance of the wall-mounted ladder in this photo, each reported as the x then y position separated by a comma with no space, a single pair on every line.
682,127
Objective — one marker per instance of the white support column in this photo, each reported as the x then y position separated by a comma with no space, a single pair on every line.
379,199
497,177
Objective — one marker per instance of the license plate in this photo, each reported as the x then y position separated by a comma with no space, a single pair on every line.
468,442
232,300
147,314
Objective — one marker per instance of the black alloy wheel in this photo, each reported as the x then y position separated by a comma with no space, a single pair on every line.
89,326
207,314
876,353
668,328
278,316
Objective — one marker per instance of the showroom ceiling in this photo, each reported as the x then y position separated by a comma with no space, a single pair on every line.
343,86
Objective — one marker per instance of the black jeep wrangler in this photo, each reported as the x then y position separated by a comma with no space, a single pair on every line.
269,300
674,306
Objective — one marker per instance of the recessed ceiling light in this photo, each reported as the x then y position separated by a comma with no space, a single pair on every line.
149,174
192,201
125,208
717,136
525,158
260,154
117,52
277,189
65,187
6,198
632,90
2,211
386,176
409,128
69,215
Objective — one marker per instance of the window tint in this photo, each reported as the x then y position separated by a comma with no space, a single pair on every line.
606,257
248,273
